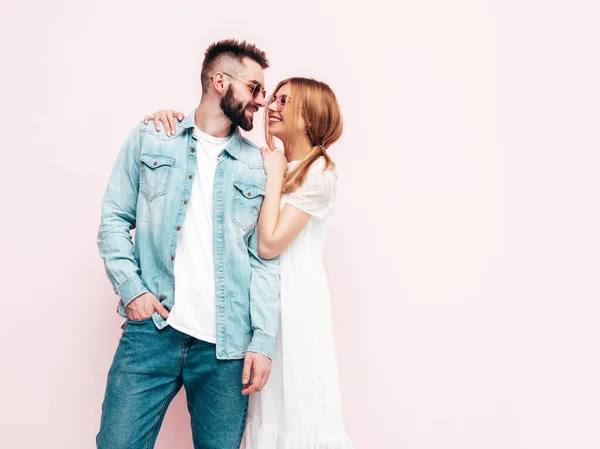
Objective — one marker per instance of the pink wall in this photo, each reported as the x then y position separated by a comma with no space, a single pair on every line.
464,262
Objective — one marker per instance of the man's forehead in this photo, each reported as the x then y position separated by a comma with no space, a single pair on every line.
252,70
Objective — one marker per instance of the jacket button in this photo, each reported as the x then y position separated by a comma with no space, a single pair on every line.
190,177
185,201
178,228
172,258
155,163
249,193
193,150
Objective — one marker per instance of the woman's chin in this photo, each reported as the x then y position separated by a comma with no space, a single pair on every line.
274,130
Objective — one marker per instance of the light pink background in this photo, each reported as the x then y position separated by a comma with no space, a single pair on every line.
464,262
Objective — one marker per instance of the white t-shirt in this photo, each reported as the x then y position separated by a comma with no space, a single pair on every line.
194,311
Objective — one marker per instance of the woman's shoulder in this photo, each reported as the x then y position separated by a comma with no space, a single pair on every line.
317,194
321,163
322,168
320,173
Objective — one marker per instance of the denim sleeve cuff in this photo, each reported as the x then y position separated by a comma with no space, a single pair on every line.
262,343
131,288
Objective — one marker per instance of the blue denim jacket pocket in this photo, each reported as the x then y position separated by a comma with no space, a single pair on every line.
247,201
155,172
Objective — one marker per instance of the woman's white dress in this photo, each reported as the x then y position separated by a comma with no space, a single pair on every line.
300,407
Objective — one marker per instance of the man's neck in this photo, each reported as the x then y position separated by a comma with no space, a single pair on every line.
209,118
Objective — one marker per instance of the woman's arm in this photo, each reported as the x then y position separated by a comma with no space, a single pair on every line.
276,230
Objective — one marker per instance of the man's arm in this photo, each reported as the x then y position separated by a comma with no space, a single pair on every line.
264,299
264,316
118,218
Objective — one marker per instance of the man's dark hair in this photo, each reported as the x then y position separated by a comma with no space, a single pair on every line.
234,49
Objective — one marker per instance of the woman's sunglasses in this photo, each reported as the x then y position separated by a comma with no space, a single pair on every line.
280,102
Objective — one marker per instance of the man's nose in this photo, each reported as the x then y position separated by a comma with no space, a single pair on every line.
260,100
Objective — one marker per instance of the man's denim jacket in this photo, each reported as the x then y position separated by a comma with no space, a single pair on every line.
149,190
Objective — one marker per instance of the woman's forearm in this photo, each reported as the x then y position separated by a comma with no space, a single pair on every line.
269,213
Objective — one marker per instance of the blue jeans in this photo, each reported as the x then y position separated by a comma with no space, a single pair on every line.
149,368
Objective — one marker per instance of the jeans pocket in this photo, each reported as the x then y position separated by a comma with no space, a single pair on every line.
155,171
247,201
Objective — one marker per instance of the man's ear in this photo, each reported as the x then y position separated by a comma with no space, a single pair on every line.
218,82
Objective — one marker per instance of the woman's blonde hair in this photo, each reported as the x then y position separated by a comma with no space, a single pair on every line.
316,103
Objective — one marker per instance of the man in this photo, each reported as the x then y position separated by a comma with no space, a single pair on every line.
202,307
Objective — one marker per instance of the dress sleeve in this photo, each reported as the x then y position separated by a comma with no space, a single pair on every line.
317,195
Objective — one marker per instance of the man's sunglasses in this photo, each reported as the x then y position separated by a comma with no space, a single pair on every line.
255,89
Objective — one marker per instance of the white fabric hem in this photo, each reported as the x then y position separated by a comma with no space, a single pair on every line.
259,436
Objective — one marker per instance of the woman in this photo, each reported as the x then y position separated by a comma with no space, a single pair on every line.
300,407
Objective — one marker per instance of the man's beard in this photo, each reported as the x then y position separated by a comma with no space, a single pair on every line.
235,111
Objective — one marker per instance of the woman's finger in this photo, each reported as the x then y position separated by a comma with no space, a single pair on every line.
171,121
165,122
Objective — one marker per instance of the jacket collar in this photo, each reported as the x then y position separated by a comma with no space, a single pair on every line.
234,144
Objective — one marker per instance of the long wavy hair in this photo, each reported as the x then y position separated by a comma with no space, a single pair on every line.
316,103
